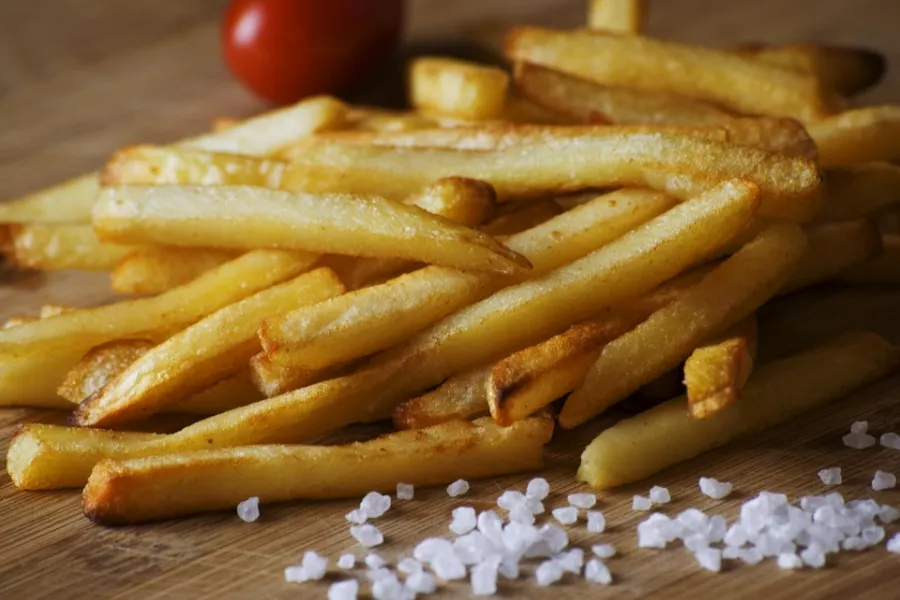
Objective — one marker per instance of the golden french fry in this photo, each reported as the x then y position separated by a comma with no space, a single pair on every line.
67,202
51,310
726,295
158,269
859,191
378,317
461,397
223,396
272,379
457,88
666,435
885,269
213,349
220,124
834,249
250,217
716,372
525,217
53,247
858,136
623,16
367,118
646,64
18,320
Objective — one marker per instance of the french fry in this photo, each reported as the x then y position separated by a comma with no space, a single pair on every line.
666,435
214,348
646,64
859,191
18,320
248,217
53,247
883,270
726,295
457,88
678,164
65,203
523,110
367,118
530,215
461,397
132,491
623,16
272,379
845,70
220,124
716,372
834,248
858,136
378,317
157,269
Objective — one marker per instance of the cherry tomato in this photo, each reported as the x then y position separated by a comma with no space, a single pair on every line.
284,50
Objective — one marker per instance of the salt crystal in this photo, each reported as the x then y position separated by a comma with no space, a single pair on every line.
582,500
538,488
853,543
430,548
375,504
484,576
883,481
357,516
731,552
566,516
312,568
811,503
714,489
409,565
736,535
464,520
388,588
555,537
373,561
893,544
858,441
597,572
789,560
491,525
603,550
534,505
548,573
367,535
693,520
813,556
458,488
421,582
717,529
888,514
519,538
659,495
872,535
650,535
641,503
571,561
751,556
696,542
859,427
448,567
520,513
343,590
248,510
346,561
596,522
379,574
831,476
509,567
510,499
709,558
405,491
834,499
473,547
890,440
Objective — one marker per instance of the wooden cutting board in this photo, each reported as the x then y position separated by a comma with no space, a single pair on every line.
89,77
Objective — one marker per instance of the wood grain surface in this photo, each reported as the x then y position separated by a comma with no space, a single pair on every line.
78,79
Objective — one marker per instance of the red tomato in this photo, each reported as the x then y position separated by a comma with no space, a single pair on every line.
284,50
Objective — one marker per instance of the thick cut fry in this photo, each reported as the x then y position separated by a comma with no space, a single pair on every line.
68,202
52,247
834,248
272,379
859,191
457,88
378,317
715,373
666,435
367,118
530,215
678,164
623,16
158,269
883,270
843,69
462,397
858,136
646,64
729,293
209,351
248,217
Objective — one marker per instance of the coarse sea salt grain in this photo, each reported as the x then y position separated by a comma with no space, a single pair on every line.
343,590
248,510
409,565
641,503
374,504
789,560
603,550
582,500
714,489
484,576
731,552
813,556
367,535
831,476
709,558
890,440
859,427
346,561
888,514
430,548
509,567
458,488
548,573
473,547
751,556
421,582
312,567
858,441
405,491
357,516
538,488
659,495
893,544
883,481
520,513
597,572
571,561
566,516
374,561
448,567
510,499
389,588
464,520
596,522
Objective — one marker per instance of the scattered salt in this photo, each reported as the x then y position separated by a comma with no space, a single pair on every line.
484,576
448,567
694,520
714,489
731,552
789,560
859,427
346,561
343,590
556,538
571,561
367,535
357,516
583,500
883,481
464,520
853,543
509,567
373,561
831,476
405,491
597,572
374,504
491,525
659,495
520,513
510,499
430,548
709,558
458,488
641,503
548,573
813,556
603,550
596,522
893,544
538,488
858,441
717,529
696,542
872,535
388,588
312,567
409,565
888,514
736,536
379,574
566,516
421,582
473,547
751,556
248,510
890,440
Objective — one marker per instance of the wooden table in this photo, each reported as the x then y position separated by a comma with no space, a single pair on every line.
80,80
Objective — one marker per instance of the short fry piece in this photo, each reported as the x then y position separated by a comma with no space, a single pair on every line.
622,16
158,269
857,136
715,373
272,379
457,88
726,295
53,247
883,270
247,217
859,191
666,435
462,397
145,489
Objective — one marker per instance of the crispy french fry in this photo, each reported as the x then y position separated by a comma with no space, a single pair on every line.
272,379
19,320
884,269
67,202
834,248
367,118
378,317
715,373
53,247
530,215
679,164
726,295
461,397
457,88
623,16
646,64
859,191
158,269
248,217
213,349
666,435
858,136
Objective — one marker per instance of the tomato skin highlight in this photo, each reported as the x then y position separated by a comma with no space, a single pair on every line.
284,50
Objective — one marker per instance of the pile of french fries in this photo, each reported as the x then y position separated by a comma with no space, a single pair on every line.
515,251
